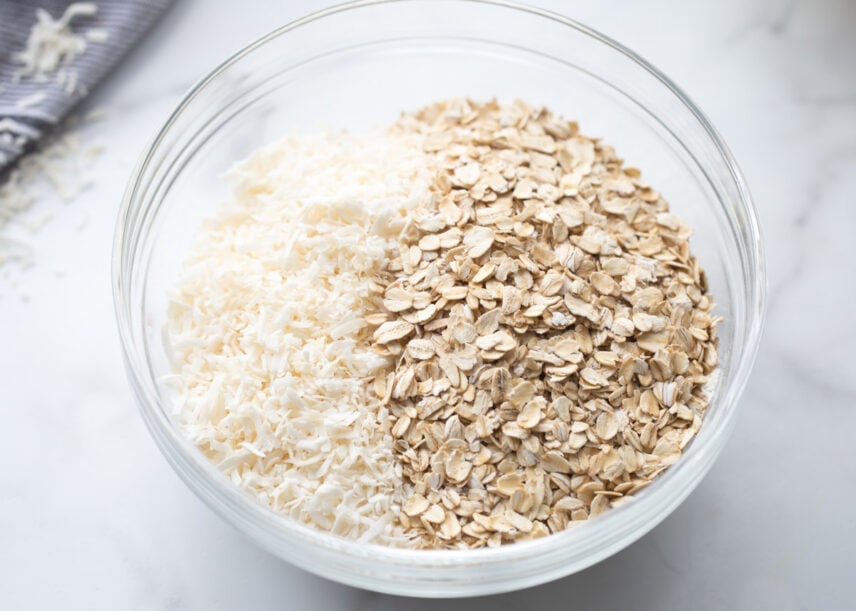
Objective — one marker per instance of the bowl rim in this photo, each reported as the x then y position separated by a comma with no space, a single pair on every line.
184,456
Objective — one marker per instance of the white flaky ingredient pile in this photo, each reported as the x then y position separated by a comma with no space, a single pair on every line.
52,44
266,333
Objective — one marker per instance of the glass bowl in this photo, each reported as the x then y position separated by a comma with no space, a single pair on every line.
359,65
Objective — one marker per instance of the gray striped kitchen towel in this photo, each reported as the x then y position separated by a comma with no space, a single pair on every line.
52,53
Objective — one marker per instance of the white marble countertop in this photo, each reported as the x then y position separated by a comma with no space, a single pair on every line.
91,516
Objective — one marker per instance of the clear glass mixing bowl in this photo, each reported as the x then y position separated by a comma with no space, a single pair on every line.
359,65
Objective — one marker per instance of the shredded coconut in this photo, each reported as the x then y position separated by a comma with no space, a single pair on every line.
62,166
267,335
52,43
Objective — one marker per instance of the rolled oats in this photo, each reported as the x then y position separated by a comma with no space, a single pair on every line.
551,329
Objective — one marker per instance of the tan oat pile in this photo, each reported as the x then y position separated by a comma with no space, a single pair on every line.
551,331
